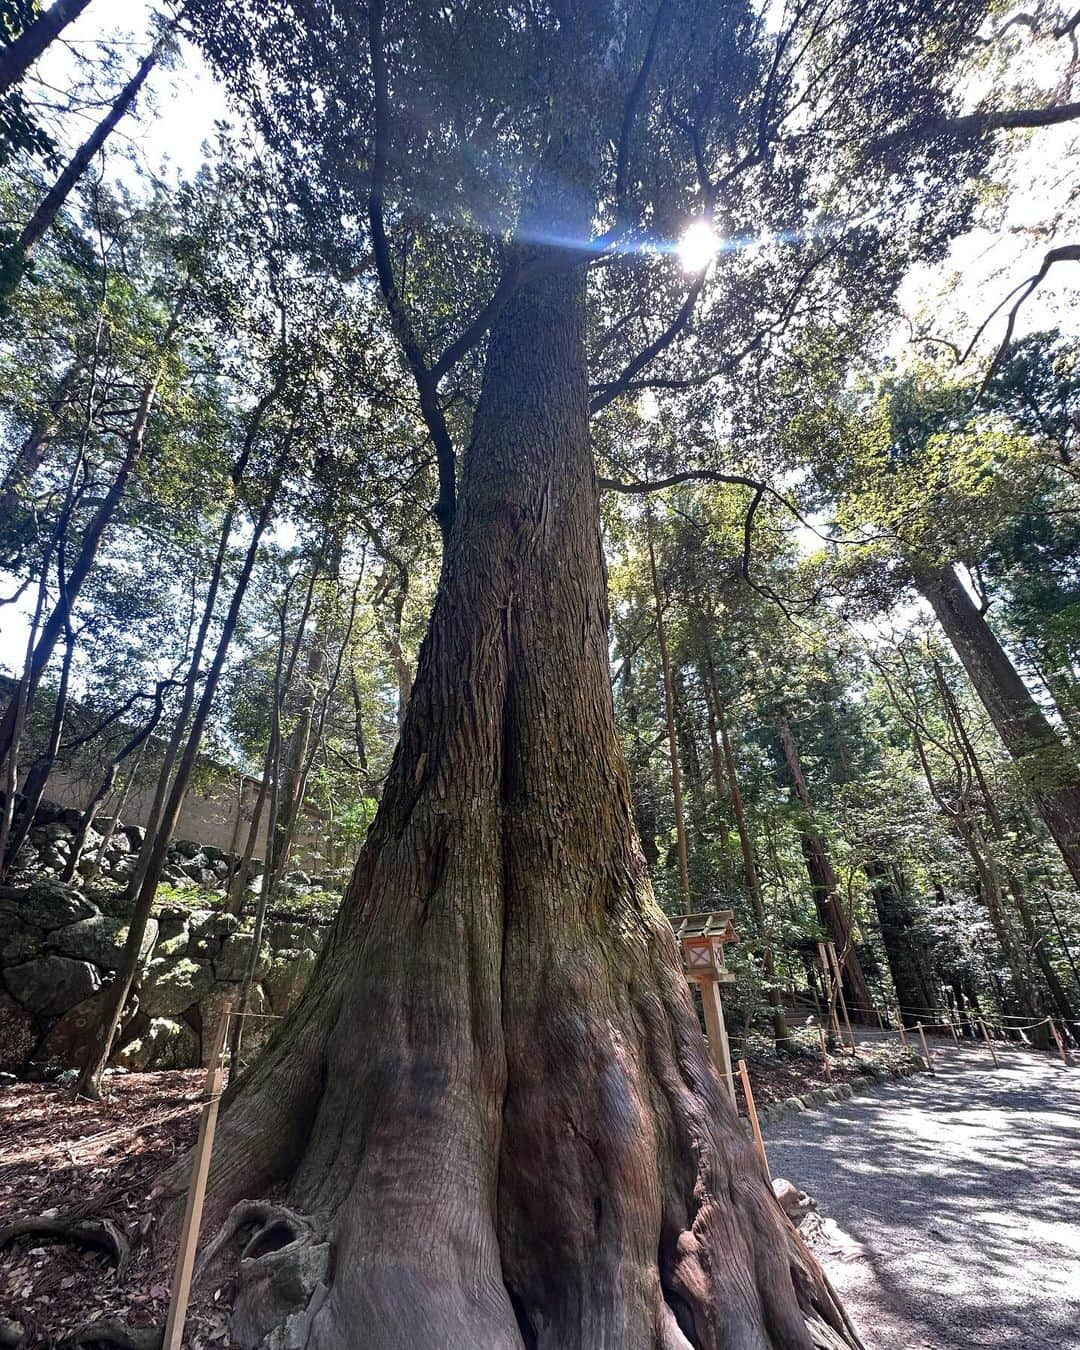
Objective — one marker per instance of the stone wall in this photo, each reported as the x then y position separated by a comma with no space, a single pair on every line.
60,947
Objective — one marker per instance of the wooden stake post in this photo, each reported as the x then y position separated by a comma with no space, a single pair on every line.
825,1053
838,977
925,1047
751,1111
1058,1041
189,1235
703,938
989,1042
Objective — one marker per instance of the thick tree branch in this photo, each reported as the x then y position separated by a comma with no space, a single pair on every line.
426,382
17,58
971,126
631,108
608,393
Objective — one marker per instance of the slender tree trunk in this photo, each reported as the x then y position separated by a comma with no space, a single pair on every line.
989,883
315,742
669,716
1036,941
287,776
1051,667
18,709
494,1100
52,204
136,743
358,721
402,669
194,672
36,779
296,758
824,885
88,549
17,58
746,844
269,857
102,1036
32,452
1046,763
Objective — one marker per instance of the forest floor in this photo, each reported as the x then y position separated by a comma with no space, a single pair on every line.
948,1205
70,1158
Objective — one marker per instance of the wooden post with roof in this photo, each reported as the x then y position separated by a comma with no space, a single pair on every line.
703,938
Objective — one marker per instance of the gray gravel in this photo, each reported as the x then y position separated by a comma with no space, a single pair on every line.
950,1205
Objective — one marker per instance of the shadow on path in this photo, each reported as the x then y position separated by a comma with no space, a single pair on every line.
951,1203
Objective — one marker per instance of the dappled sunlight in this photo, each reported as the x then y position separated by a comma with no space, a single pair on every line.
950,1201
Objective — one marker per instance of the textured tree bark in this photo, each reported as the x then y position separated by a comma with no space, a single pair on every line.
1049,768
493,1101
824,885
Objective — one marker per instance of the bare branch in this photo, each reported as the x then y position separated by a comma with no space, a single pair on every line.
1063,253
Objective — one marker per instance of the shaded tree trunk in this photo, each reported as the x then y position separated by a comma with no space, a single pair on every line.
33,450
314,740
36,779
53,202
746,844
1048,767
672,734
102,1036
194,671
904,946
17,58
108,781
1036,941
494,1100
824,885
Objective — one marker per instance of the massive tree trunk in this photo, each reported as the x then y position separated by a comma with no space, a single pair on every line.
494,1101
1049,768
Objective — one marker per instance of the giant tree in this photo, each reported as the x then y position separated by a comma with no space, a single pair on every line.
494,1102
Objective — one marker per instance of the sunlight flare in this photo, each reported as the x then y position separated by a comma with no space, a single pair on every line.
698,246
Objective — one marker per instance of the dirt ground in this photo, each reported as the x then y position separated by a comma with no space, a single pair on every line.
948,1205
946,1214
74,1158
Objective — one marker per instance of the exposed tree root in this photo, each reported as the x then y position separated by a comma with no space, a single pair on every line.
275,1225
100,1233
113,1333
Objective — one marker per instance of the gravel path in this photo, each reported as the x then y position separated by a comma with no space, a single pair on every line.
951,1205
